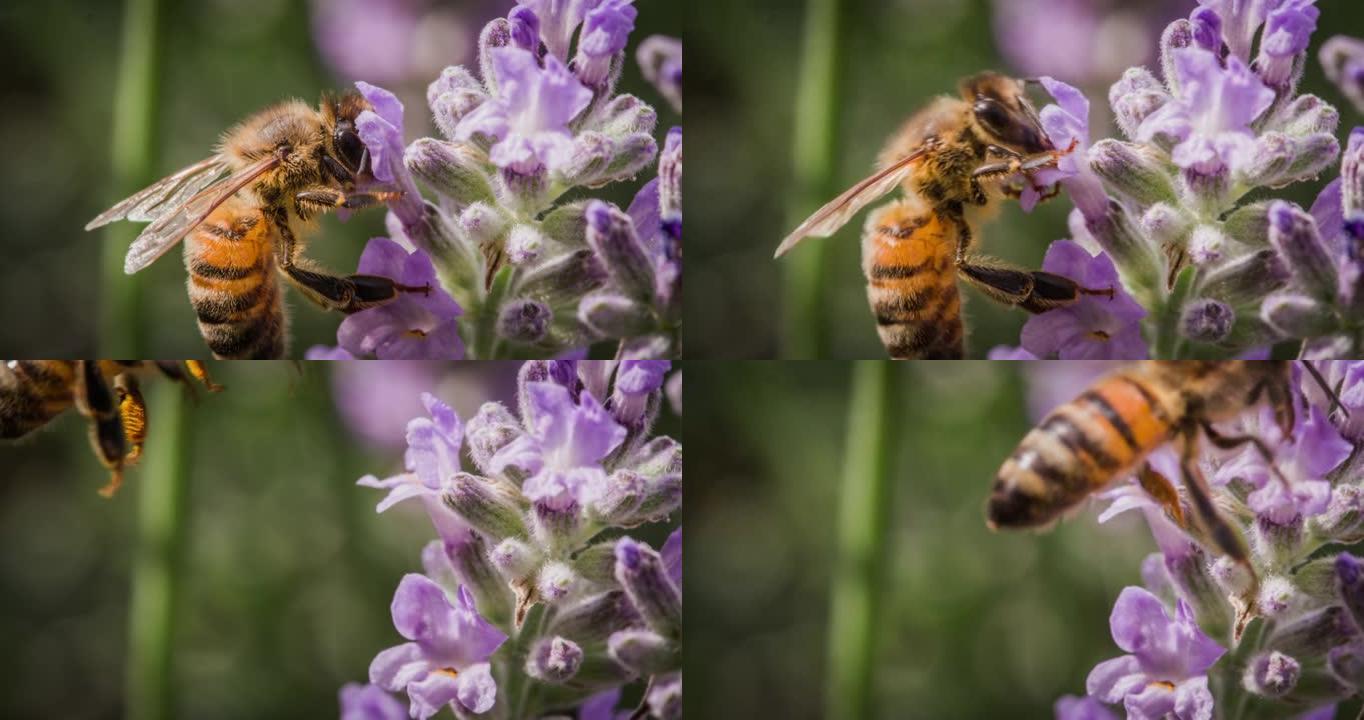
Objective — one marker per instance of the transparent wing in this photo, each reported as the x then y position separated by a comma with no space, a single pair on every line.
838,211
165,194
169,228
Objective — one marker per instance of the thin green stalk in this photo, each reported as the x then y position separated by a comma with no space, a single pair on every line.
859,566
813,155
161,487
132,165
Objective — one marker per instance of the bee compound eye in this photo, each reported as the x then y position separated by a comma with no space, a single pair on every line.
991,114
349,147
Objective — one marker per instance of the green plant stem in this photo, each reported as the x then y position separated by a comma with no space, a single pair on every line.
132,164
161,487
859,565
813,154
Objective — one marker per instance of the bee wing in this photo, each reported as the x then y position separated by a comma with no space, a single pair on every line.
165,194
169,228
838,211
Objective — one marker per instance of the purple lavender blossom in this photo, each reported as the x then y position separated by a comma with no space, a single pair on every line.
323,352
529,117
1287,30
1071,707
563,447
376,399
446,661
1095,327
605,30
1066,124
390,41
432,461
1165,670
369,702
415,325
381,130
1342,57
602,706
1210,118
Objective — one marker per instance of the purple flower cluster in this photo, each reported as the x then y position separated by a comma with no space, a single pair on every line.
523,272
529,553
1205,633
1214,275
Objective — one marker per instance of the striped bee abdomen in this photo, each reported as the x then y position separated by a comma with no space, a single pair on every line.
233,284
32,392
1077,449
908,258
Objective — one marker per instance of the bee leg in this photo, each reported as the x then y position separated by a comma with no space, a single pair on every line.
132,411
1232,442
324,197
95,401
199,372
1223,535
1036,291
349,294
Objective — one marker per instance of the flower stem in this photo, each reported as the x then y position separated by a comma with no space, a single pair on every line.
814,154
860,560
134,127
161,488
485,333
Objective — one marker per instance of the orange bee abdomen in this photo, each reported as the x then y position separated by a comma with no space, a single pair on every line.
908,256
1078,448
232,283
32,392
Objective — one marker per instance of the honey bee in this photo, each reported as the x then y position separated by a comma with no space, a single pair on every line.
243,212
34,392
954,159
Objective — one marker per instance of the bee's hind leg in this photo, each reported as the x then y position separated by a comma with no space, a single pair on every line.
1226,538
1036,291
95,401
349,294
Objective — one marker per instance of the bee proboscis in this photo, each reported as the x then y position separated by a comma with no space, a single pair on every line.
105,392
953,158
242,213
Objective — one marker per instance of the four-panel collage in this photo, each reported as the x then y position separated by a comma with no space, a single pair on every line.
453,229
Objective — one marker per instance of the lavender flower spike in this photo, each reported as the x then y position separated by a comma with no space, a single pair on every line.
446,661
1342,58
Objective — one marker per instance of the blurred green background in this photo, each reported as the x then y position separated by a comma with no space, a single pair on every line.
287,571
746,68
217,62
972,624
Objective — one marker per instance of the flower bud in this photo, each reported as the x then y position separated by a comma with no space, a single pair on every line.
627,115
1247,279
658,457
596,563
490,430
1280,159
485,505
525,192
1194,583
1207,189
592,619
1294,234
484,224
1134,97
619,500
1310,636
1132,171
449,169
1207,245
1166,225
567,224
1298,316
453,95
565,278
1277,543
1135,259
524,245
1352,181
1347,663
525,28
514,559
644,651
524,321
1343,520
556,523
1306,115
1178,35
598,159
665,697
615,316
556,581
660,59
554,660
640,571
472,567
1271,674
663,496
1206,320
654,346
1278,597
1249,224
670,183
495,34
1350,584
611,233
1233,577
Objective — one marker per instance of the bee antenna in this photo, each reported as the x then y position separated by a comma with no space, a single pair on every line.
1326,388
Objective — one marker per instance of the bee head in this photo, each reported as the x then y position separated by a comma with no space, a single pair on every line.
1003,113
339,114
